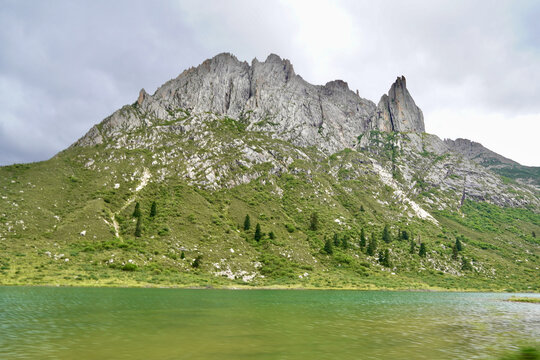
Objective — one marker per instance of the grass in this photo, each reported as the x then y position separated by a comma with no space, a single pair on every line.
525,353
531,300
46,206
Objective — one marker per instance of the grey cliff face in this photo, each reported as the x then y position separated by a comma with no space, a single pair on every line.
477,152
272,98
397,111
268,98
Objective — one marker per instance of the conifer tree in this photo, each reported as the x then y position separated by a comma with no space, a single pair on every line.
384,258
247,223
387,261
413,247
336,240
328,248
363,239
458,245
345,242
422,252
271,235
182,255
137,211
153,209
362,208
258,233
533,234
404,235
138,227
314,222
197,261
455,252
386,234
372,247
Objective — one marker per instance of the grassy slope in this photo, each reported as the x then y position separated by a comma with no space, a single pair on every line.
59,198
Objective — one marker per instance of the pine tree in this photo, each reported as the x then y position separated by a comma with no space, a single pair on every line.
197,261
533,234
384,258
362,208
137,211
413,247
247,223
336,240
458,245
455,252
363,240
387,261
182,256
271,235
345,242
328,248
314,222
258,233
372,247
153,209
386,234
405,235
422,252
138,227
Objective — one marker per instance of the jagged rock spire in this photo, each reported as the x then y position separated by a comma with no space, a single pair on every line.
272,98
397,111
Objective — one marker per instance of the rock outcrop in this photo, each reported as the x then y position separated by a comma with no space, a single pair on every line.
397,111
477,152
270,97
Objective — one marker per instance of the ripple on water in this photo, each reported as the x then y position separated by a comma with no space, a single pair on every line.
199,324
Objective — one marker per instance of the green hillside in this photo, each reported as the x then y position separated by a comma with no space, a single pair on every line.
70,220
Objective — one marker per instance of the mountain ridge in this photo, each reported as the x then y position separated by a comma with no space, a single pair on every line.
160,193
275,99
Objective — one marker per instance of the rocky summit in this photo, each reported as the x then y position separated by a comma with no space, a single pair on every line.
237,174
272,98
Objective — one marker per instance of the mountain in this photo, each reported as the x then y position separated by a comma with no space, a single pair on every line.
499,164
237,174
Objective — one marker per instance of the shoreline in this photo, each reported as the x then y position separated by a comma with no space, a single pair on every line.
270,287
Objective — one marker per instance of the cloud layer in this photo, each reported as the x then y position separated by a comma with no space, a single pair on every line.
471,66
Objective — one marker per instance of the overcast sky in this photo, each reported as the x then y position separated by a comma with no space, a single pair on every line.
473,67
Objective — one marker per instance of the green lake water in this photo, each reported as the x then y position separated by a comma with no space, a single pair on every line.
102,323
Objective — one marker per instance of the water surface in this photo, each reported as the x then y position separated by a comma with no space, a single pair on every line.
100,323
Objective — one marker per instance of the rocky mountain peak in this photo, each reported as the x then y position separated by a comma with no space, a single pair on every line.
337,85
278,101
398,111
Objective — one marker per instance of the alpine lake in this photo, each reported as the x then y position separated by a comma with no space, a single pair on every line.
136,323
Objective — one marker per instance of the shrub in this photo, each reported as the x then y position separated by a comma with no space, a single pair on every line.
129,267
